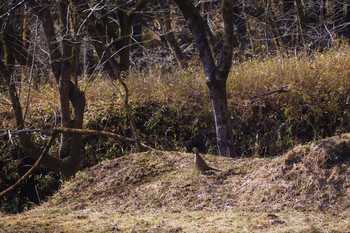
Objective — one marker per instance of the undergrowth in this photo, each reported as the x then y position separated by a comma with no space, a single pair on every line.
173,111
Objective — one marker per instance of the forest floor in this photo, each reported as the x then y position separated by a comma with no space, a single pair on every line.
305,190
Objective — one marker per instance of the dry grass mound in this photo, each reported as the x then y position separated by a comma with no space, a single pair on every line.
309,183
309,177
319,172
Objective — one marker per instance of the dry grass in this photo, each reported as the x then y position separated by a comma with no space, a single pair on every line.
305,190
187,221
319,80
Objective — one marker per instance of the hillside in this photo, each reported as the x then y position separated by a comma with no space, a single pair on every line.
305,190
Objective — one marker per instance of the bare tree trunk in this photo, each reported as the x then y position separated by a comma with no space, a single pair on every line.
314,13
136,43
222,116
346,20
61,63
250,36
169,35
289,21
301,19
216,75
125,34
214,43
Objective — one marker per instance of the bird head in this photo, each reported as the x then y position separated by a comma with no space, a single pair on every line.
195,150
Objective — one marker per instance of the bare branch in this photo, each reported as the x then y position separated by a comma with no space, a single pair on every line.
98,133
32,169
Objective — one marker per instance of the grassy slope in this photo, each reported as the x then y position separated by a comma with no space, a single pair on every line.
305,190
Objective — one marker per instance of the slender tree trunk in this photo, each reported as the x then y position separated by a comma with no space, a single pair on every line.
136,43
240,23
125,34
213,41
314,13
169,35
216,75
271,20
301,19
346,20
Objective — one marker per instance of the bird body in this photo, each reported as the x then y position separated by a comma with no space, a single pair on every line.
200,164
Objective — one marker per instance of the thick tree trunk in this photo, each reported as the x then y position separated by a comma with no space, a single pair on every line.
222,118
70,147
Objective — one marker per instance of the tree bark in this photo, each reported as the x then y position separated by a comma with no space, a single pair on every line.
240,23
136,44
216,75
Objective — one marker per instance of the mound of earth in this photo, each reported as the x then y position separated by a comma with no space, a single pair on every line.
156,189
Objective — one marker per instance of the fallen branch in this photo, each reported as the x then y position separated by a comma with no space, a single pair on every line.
30,171
98,133
282,89
57,130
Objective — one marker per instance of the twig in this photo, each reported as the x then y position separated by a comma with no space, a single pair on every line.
281,90
31,71
37,194
4,132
